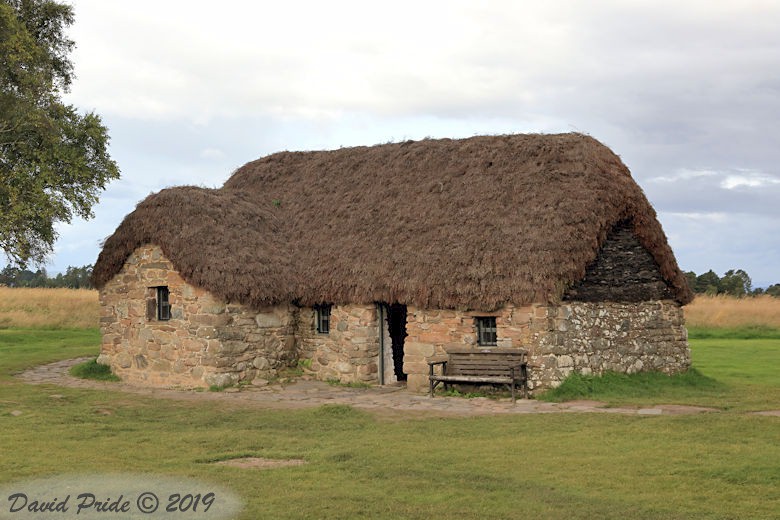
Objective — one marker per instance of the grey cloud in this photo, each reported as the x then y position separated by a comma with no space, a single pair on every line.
723,241
709,194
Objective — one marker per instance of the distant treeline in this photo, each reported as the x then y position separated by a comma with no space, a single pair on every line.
735,282
73,278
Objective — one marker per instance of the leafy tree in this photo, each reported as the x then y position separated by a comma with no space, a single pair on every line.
708,282
9,276
15,277
53,161
736,283
773,290
76,277
690,276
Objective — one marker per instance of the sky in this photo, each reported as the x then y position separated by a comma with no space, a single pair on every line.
687,93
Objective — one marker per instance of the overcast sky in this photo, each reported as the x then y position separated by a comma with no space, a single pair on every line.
687,93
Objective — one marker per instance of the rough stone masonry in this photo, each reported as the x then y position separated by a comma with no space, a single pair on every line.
209,342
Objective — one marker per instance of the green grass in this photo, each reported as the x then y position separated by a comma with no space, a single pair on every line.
349,384
746,362
24,348
93,370
568,466
745,332
614,386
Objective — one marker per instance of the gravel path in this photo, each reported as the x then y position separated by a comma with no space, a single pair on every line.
387,400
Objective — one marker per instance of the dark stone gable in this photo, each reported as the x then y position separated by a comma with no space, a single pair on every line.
624,271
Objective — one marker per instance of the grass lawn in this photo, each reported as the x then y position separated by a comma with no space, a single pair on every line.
23,348
720,465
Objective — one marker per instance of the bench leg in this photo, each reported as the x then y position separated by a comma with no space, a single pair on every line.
432,387
524,371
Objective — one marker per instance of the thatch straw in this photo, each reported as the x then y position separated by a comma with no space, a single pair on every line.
471,223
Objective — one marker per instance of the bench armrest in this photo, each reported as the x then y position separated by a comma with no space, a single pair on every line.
437,360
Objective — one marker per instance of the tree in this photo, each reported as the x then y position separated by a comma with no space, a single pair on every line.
53,161
708,282
690,276
773,290
736,283
73,278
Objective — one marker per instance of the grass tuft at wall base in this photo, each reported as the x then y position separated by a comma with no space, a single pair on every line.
612,385
93,370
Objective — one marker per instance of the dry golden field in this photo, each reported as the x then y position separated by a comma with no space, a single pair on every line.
78,308
730,312
48,308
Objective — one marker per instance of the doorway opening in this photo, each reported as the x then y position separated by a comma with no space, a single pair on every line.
396,327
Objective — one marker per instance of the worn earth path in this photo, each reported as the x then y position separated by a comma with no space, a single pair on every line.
386,400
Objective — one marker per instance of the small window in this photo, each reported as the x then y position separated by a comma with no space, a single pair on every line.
486,331
323,318
163,304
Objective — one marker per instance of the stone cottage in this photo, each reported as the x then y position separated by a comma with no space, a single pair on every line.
365,262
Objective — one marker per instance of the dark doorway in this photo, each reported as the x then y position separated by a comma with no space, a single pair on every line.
396,326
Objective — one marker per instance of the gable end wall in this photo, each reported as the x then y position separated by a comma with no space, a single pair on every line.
206,341
593,338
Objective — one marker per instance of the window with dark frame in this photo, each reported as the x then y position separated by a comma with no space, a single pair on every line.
323,318
486,331
163,304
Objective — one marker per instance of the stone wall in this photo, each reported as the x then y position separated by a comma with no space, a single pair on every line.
349,353
206,341
587,337
592,338
209,342
432,332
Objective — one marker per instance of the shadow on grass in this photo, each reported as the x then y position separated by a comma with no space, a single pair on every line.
612,385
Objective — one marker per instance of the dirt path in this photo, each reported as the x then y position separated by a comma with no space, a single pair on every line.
388,400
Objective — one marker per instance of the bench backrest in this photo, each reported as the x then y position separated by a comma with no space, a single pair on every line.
484,362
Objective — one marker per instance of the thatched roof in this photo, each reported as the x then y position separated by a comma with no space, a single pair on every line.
470,223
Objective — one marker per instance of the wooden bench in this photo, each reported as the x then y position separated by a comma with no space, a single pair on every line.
505,366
